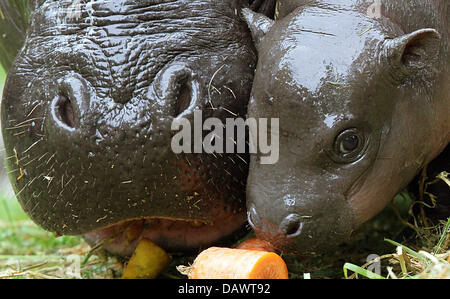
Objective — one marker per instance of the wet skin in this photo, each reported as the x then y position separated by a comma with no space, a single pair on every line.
363,105
87,112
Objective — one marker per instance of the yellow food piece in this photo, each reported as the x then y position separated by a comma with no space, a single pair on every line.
147,261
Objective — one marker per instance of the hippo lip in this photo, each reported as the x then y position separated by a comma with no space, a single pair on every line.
279,241
171,234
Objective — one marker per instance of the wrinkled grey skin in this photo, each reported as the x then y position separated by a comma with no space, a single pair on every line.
333,75
87,112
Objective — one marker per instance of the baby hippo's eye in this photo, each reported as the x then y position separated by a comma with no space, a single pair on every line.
349,145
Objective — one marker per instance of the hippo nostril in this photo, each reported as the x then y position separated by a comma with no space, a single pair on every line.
253,217
292,225
184,98
64,111
293,228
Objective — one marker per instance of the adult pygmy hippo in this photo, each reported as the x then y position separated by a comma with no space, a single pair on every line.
87,112
363,102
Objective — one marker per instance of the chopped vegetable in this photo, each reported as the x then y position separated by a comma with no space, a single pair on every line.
225,263
147,261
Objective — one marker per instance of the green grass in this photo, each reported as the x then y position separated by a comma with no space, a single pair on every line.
2,79
28,251
20,236
10,210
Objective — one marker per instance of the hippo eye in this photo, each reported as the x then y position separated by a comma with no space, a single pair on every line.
349,145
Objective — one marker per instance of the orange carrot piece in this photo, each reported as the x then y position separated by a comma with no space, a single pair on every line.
256,244
226,263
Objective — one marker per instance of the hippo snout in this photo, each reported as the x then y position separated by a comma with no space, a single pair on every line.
87,113
300,234
296,218
289,227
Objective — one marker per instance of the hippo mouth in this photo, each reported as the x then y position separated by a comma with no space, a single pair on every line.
174,235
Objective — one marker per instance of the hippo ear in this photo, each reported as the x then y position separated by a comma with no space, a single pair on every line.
258,23
414,51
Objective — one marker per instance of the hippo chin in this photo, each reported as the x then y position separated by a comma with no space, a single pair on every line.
363,104
87,112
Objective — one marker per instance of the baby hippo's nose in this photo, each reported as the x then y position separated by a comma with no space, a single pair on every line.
291,225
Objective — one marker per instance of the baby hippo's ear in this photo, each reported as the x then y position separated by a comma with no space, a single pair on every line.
258,23
414,51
